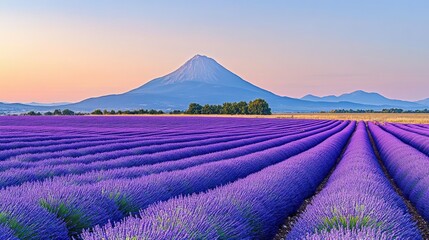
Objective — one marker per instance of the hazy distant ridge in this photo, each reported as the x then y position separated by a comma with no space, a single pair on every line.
369,98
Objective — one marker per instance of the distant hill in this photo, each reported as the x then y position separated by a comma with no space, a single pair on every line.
367,98
10,108
424,102
47,104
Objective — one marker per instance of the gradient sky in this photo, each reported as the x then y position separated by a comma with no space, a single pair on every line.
69,50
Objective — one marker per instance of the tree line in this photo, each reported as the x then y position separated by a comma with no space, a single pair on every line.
386,110
126,112
57,112
255,107
68,112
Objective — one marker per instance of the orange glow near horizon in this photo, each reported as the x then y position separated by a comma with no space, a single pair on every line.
70,51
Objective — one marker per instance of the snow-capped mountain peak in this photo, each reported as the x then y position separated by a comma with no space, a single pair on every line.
199,69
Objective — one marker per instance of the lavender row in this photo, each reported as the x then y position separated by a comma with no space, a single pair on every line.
424,126
187,134
150,137
54,140
412,128
37,138
127,125
251,208
114,151
80,207
413,139
23,172
168,160
15,149
49,142
134,145
55,133
419,128
358,201
122,122
43,130
407,166
7,233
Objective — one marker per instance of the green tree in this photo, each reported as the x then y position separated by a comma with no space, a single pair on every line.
49,113
216,109
242,107
176,112
194,108
97,112
229,108
33,113
57,112
67,112
259,107
207,109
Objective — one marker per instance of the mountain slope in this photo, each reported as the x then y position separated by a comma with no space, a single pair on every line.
47,104
424,102
201,80
367,98
199,69
10,108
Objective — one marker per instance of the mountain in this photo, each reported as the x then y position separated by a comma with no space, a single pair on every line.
366,98
310,97
202,80
12,108
47,104
424,102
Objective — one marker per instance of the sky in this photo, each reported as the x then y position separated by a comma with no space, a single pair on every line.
66,51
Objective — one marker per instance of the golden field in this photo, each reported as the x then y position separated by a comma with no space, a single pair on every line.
416,118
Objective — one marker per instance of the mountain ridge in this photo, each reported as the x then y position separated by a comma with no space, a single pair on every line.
424,102
363,97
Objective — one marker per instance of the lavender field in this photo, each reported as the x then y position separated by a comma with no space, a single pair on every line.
212,178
